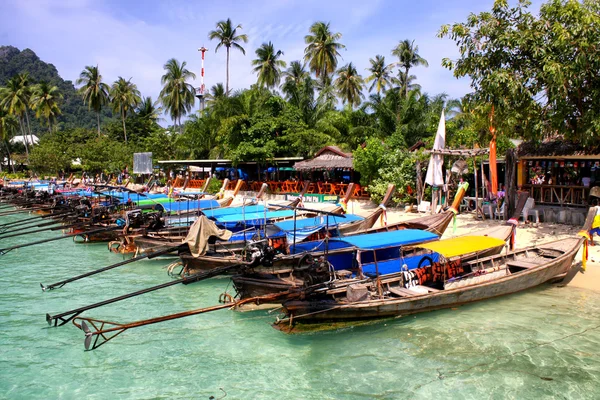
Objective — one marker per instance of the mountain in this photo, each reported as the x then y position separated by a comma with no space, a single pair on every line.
74,112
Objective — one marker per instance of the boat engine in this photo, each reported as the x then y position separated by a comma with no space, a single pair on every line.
260,253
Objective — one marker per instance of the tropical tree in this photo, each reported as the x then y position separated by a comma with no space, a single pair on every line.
349,85
149,110
408,57
125,96
268,65
13,99
380,74
177,96
8,125
93,91
44,100
25,89
406,84
322,49
228,36
537,72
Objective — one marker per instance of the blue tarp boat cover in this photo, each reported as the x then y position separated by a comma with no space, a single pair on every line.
219,212
317,222
255,216
395,265
185,206
257,220
380,240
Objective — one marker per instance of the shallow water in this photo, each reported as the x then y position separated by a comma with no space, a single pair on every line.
539,344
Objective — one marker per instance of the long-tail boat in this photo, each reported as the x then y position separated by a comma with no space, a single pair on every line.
479,279
253,283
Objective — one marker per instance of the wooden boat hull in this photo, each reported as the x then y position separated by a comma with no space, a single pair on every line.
250,285
319,311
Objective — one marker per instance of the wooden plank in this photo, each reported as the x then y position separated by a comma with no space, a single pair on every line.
521,264
401,292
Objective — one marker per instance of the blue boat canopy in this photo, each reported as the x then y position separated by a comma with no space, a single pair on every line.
185,206
255,216
380,240
317,222
219,212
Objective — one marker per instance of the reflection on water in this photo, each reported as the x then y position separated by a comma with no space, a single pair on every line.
542,343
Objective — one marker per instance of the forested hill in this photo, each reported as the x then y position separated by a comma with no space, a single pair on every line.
74,112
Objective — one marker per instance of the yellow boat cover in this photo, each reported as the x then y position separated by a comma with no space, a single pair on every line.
463,245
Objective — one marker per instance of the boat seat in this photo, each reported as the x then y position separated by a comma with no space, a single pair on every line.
521,264
401,292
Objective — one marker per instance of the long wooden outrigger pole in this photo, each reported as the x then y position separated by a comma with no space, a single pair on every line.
105,331
66,316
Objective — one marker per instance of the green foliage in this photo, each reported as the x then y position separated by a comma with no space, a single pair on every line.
540,73
214,186
50,156
398,167
74,112
368,160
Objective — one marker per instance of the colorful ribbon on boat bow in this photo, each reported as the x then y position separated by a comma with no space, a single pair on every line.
585,255
344,205
383,215
455,212
513,235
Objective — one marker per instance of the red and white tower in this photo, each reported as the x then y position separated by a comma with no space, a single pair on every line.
200,90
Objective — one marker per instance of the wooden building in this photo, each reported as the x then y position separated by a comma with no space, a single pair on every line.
558,172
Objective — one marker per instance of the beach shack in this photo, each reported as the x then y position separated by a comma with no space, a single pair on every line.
330,172
558,173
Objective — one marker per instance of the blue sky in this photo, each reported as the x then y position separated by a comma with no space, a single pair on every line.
134,38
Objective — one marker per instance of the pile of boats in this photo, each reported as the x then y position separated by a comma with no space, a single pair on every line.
318,265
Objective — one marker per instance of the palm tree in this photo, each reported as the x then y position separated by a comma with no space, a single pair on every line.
380,74
149,110
227,36
13,99
177,96
294,78
321,50
44,101
349,85
408,57
268,65
93,91
406,84
125,96
8,125
215,94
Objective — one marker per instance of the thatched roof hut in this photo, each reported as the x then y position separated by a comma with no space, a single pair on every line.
329,157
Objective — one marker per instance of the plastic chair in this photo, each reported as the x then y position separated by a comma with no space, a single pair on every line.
529,210
424,206
500,214
489,208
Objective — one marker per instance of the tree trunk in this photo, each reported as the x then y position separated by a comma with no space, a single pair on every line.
10,163
124,130
21,123
28,127
227,78
98,117
511,184
180,126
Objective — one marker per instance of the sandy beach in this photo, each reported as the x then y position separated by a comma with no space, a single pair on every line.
527,235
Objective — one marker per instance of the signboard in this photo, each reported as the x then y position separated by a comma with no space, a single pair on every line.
142,163
314,198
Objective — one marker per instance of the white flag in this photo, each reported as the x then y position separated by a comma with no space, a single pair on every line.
434,170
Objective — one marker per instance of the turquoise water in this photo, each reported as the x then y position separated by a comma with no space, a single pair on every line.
540,344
